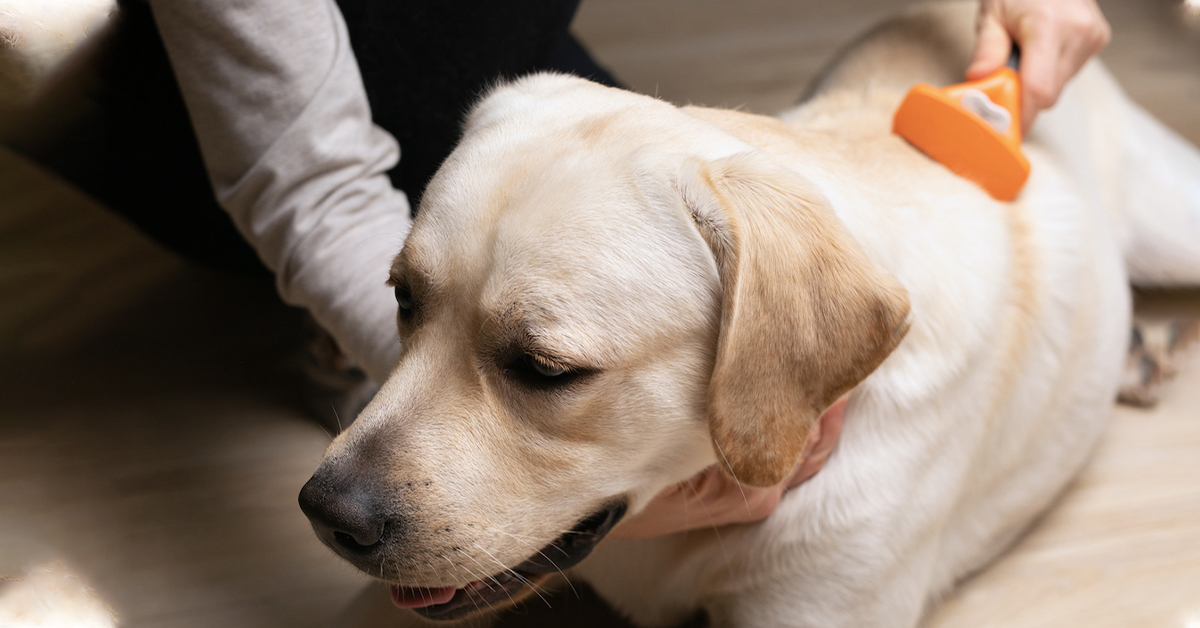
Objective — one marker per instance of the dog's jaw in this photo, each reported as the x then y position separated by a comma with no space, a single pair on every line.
511,585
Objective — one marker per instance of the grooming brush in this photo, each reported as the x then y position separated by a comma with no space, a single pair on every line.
972,128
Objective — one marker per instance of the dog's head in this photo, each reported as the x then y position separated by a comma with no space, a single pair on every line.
600,296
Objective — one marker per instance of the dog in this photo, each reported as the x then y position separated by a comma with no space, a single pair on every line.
1156,347
604,294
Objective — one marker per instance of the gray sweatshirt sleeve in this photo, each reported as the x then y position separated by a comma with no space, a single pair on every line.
278,105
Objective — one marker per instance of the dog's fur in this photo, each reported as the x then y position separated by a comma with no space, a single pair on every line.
712,280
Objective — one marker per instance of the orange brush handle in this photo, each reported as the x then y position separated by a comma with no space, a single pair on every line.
971,139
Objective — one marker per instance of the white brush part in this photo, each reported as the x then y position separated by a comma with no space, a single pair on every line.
51,595
979,104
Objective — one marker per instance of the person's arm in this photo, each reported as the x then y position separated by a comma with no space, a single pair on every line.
281,115
1056,38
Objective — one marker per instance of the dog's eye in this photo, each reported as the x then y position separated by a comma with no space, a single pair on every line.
545,369
404,300
535,370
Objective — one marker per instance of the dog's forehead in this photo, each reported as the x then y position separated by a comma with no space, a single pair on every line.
550,136
579,241
540,102
495,201
558,208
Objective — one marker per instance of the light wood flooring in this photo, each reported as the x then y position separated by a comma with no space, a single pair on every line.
151,435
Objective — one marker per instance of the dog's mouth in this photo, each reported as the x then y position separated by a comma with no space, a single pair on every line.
512,585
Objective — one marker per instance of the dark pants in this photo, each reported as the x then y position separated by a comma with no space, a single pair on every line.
423,63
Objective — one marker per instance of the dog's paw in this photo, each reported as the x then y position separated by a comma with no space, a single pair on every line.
51,595
336,390
1156,348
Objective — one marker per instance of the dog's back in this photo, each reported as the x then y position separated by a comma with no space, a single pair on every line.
1021,317
1119,157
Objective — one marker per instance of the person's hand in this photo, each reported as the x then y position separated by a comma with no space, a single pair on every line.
711,498
1056,38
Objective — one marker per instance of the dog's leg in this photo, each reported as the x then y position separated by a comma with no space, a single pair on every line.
1151,181
337,389
1157,194
833,592
1155,349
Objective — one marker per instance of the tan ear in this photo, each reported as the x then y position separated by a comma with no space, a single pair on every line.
805,315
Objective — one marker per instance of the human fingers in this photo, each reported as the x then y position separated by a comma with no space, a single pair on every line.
1056,38
712,498
1040,71
992,46
821,443
708,499
722,500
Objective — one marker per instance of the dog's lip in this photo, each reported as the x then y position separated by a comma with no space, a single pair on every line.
566,551
574,545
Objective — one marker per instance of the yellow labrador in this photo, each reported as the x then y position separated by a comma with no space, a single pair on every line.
604,294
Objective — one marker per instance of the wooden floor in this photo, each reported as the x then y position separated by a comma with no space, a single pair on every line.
152,435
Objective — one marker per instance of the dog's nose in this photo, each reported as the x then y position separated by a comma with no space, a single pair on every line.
345,517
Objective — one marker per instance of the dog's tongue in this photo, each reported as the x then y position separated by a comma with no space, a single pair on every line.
405,597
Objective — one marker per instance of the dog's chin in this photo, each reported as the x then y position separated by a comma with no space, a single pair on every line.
446,603
512,585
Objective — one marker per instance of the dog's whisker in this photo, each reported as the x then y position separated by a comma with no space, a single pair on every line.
475,600
539,552
485,578
432,569
337,418
712,523
537,590
734,474
473,595
518,576
474,576
519,537
456,568
503,570
481,575
528,544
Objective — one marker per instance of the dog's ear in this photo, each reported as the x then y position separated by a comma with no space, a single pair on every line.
805,315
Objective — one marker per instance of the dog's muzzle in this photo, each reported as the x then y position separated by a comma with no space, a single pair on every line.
572,547
349,516
512,585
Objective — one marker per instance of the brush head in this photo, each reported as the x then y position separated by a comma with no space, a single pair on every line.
971,128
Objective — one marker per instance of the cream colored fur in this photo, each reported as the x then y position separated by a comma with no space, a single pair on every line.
719,277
